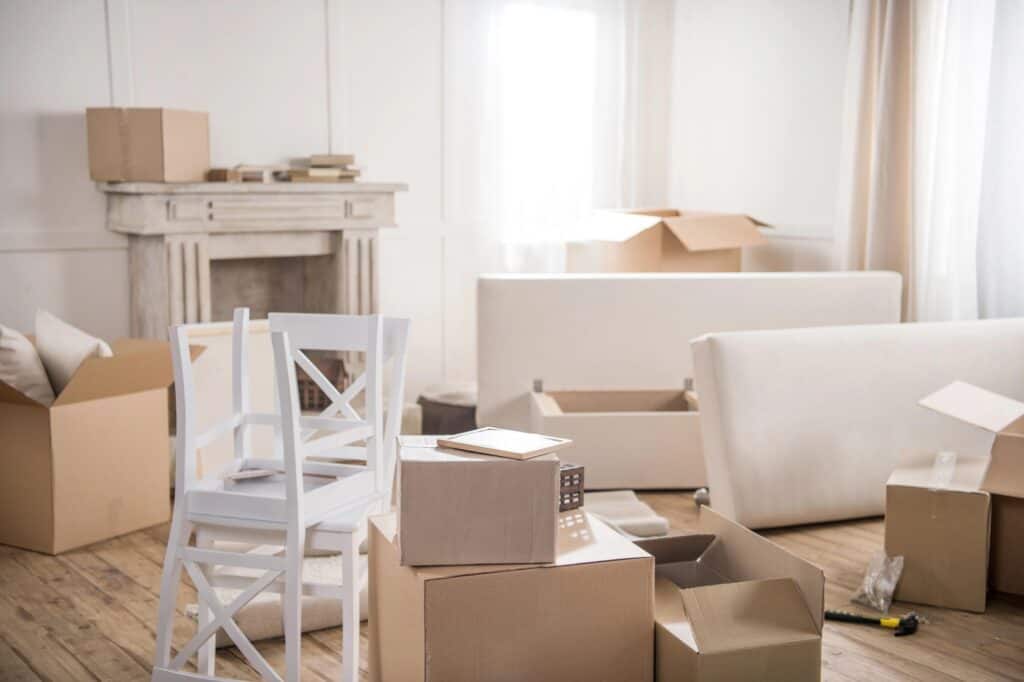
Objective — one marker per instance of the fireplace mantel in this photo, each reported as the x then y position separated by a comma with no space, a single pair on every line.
175,231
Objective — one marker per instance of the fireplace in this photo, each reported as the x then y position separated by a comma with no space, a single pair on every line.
198,250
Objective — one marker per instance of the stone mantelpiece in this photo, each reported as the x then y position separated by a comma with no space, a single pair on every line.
177,232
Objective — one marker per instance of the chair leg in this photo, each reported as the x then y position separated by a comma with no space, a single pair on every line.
350,610
206,657
291,605
169,583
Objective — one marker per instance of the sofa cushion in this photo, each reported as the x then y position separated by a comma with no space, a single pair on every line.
805,425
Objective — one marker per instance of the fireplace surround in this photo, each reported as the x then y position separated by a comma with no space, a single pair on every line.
197,250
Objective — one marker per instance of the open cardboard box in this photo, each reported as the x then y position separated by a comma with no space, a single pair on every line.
937,519
1004,477
731,605
626,439
94,464
663,240
585,616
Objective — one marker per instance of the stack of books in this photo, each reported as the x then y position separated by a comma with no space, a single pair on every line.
326,168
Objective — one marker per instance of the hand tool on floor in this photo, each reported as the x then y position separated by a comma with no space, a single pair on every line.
905,625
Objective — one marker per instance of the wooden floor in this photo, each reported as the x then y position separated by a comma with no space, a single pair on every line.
89,615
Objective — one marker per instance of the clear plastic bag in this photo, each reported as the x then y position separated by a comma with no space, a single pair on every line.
879,582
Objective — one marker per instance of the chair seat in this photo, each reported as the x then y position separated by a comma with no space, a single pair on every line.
347,520
263,500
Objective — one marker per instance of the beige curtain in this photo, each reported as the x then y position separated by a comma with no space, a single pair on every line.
874,214
916,101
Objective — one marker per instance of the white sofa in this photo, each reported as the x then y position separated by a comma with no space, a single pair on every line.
805,425
611,332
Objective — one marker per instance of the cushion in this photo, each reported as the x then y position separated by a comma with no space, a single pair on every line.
626,513
21,368
62,348
261,618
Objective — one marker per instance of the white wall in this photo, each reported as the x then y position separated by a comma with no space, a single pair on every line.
280,80
754,127
756,115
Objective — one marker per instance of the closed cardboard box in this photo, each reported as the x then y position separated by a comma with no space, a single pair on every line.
457,507
148,145
94,464
585,616
937,519
627,439
731,605
662,240
1004,476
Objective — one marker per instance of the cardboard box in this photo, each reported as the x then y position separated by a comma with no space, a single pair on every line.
731,605
94,464
626,439
937,519
663,240
1004,478
148,145
457,507
585,616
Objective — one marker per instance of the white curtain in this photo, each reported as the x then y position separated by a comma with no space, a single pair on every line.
911,177
544,105
1001,221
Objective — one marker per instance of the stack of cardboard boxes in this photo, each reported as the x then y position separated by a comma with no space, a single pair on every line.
957,519
479,577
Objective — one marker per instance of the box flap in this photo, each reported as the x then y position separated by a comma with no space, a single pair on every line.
675,548
749,614
12,396
941,471
1005,475
742,554
670,613
711,231
975,406
614,226
137,365
659,212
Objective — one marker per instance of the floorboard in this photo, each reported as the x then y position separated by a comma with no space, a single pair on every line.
90,614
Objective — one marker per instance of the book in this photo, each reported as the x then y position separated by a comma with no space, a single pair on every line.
331,160
309,179
322,175
506,443
331,172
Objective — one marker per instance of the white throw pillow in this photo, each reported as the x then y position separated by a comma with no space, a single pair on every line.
62,348
21,368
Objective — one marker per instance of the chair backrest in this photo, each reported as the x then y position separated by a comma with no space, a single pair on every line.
384,342
806,425
189,441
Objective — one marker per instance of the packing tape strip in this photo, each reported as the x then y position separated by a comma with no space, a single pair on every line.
943,468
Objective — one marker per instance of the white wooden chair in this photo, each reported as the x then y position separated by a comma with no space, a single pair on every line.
316,504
